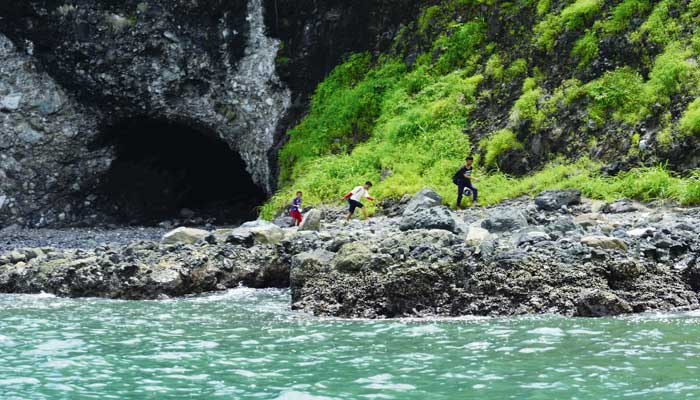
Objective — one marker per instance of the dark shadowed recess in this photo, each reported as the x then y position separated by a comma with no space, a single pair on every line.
165,170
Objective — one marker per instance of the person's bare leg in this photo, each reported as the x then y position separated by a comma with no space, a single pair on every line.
364,213
348,217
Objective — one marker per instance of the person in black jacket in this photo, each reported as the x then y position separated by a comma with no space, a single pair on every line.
463,179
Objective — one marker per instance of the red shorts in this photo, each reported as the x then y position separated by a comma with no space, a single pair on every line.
296,215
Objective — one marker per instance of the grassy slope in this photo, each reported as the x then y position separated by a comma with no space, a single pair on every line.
491,92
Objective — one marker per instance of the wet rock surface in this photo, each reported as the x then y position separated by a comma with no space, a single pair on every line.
619,263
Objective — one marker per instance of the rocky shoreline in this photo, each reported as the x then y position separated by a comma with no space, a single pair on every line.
556,253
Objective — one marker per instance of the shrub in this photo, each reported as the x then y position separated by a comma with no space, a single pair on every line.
494,68
690,122
660,27
517,68
525,108
459,50
623,13
670,71
586,49
618,92
498,143
574,16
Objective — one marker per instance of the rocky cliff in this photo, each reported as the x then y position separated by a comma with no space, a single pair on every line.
78,76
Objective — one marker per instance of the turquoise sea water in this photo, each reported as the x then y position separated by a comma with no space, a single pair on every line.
246,344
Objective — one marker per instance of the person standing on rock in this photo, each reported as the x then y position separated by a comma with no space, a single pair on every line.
295,210
354,199
463,179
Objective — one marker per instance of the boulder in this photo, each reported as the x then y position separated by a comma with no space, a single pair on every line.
268,233
284,221
620,206
505,221
601,303
312,221
477,235
425,198
241,237
430,218
640,233
552,200
589,220
604,242
531,237
184,235
353,257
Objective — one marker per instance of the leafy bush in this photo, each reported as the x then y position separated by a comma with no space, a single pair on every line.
623,13
660,27
617,92
498,143
525,108
494,68
574,16
690,122
459,50
586,49
517,68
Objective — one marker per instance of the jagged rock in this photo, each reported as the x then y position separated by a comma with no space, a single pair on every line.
477,235
184,235
430,218
353,257
552,200
312,221
620,206
604,242
601,303
425,198
269,234
284,221
505,221
531,237
641,232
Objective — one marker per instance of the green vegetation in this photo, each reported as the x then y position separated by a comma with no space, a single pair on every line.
575,16
660,27
690,122
497,143
405,127
586,49
525,108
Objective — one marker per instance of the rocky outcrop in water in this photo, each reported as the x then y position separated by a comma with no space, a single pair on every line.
587,259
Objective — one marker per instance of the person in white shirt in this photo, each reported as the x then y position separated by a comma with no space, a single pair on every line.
354,199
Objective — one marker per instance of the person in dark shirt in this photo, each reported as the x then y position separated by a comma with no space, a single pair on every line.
463,179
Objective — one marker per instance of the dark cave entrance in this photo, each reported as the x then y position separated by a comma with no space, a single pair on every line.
164,170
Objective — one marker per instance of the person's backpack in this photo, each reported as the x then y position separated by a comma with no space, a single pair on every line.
458,178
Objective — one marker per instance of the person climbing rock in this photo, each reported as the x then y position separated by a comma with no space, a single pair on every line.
295,209
463,179
354,199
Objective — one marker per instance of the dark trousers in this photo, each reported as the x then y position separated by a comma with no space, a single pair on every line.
460,191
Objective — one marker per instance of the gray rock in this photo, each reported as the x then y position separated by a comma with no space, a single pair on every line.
620,206
269,234
10,102
601,303
530,237
184,235
505,221
430,218
284,221
3,199
311,221
354,257
604,242
425,198
552,200
477,235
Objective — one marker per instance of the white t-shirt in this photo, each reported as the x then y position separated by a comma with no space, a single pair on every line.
359,193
